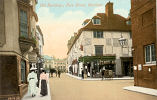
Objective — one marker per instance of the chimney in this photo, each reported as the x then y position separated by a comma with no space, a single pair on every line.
109,8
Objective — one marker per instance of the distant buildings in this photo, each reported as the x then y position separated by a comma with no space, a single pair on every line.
53,63
143,16
96,45
19,49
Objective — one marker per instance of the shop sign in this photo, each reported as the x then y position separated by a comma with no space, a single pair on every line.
135,67
139,67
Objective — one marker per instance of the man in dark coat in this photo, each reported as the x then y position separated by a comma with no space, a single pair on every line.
59,73
82,74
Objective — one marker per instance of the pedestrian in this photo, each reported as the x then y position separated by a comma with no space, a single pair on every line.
102,73
44,80
88,74
32,80
59,73
82,73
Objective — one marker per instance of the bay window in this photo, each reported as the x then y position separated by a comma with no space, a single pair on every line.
23,24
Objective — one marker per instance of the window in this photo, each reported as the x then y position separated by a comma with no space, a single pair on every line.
49,66
45,66
23,24
98,34
98,50
23,71
116,42
96,21
108,41
150,55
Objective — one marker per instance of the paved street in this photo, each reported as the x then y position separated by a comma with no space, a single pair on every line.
67,88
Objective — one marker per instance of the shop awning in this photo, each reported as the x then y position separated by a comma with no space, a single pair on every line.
86,59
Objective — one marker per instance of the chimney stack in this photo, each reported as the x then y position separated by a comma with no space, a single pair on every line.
109,8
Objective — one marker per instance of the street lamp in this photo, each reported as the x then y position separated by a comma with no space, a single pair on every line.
122,41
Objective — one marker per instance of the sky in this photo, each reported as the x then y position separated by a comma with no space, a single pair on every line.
59,19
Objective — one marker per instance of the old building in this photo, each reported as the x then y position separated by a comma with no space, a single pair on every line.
54,63
60,64
17,43
143,16
97,45
48,62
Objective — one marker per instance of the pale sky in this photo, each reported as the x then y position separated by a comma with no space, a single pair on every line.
59,19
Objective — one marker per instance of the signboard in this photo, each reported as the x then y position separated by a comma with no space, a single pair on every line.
135,67
139,67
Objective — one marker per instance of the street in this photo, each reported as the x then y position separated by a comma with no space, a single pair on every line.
67,88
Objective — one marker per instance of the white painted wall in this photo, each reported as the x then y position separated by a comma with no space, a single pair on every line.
86,39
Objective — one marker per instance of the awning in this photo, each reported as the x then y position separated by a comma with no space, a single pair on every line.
86,59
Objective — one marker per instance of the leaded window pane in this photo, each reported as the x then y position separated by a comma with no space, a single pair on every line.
98,34
23,23
153,52
98,50
147,53
23,71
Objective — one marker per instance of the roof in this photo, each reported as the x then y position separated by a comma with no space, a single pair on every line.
86,21
109,23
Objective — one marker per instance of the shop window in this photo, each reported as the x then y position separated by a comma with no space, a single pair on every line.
23,71
98,34
98,50
150,56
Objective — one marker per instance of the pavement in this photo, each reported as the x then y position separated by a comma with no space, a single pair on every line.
69,88
38,96
98,79
148,91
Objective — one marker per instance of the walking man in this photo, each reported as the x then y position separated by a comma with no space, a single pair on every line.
102,73
32,79
82,73
59,73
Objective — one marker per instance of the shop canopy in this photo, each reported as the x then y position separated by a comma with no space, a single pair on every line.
86,59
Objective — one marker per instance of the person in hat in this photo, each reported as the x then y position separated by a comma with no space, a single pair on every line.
32,80
44,80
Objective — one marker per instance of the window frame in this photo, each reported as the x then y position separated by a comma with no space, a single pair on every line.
96,21
25,7
24,63
98,54
150,54
96,33
23,22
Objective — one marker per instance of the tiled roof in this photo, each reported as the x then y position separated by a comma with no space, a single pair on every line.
109,23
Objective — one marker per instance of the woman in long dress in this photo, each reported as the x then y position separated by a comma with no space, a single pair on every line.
32,80
44,80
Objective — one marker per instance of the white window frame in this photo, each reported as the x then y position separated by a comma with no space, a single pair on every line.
98,32
97,20
150,62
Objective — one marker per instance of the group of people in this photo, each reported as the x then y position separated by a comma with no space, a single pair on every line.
33,80
55,71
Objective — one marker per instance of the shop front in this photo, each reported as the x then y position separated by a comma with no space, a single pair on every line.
93,65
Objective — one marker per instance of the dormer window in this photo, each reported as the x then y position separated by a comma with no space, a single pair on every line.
84,23
96,21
